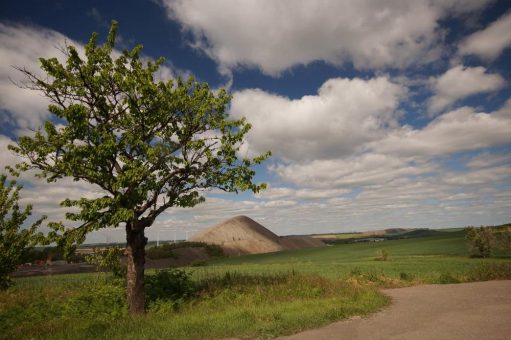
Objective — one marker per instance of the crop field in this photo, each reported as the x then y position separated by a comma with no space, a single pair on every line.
259,296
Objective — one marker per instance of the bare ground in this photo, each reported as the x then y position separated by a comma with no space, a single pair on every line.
479,310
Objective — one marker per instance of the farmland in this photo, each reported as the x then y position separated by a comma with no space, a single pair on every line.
262,295
424,258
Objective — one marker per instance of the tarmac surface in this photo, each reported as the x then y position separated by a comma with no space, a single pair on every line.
479,310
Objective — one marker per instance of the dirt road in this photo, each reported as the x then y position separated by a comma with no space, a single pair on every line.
480,310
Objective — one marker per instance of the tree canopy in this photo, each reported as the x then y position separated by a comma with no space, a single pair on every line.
15,239
148,144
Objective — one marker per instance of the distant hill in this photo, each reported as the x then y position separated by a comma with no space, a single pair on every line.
242,235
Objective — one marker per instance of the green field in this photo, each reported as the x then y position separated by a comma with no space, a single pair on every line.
251,296
426,259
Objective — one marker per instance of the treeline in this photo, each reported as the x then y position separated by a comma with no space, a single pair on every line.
166,250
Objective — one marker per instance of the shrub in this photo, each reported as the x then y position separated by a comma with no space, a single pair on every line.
382,255
161,252
53,253
480,240
102,301
166,250
491,271
108,259
405,276
169,285
503,238
198,263
15,240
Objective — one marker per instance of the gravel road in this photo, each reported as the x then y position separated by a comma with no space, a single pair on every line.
479,310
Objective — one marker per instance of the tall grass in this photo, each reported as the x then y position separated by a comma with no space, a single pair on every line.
226,305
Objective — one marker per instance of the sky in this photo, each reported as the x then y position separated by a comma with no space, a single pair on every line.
379,114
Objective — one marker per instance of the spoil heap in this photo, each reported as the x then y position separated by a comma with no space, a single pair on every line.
242,235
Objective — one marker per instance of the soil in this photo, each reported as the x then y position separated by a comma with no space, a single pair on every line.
242,235
479,310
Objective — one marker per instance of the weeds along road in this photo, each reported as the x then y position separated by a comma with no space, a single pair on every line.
479,310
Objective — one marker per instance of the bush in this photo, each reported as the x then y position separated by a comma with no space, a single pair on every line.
503,238
406,276
15,240
173,285
108,259
382,255
53,253
491,271
480,240
105,301
161,252
166,250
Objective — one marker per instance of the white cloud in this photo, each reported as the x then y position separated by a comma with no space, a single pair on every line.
487,159
491,175
344,115
278,193
21,46
277,35
460,82
462,129
350,162
7,157
489,42
366,169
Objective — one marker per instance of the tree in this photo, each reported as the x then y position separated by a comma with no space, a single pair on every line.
481,240
14,241
503,238
149,145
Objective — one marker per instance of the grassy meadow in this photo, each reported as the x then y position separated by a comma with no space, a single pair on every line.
257,296
424,259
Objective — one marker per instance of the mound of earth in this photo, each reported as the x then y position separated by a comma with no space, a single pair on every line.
242,235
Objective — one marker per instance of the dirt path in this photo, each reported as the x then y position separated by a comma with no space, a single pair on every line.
480,310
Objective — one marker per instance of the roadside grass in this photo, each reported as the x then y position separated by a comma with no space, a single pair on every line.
227,305
257,296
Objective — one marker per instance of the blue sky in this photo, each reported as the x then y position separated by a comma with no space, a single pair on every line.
379,113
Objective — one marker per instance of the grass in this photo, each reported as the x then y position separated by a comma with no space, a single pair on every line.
228,305
259,296
425,259
349,236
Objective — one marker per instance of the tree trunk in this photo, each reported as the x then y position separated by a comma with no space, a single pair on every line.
135,247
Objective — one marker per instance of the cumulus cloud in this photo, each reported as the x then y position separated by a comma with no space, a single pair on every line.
366,169
344,115
277,35
489,42
460,82
7,158
343,159
458,130
21,46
